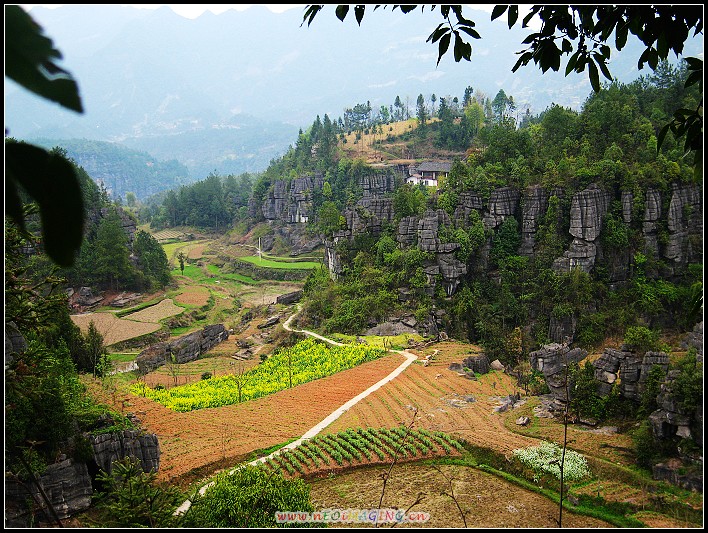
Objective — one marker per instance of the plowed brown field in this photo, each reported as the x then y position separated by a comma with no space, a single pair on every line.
200,439
488,501
112,328
445,401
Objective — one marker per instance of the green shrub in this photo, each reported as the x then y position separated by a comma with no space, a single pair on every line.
248,497
641,338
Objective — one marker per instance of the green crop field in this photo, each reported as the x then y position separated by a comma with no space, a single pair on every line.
269,263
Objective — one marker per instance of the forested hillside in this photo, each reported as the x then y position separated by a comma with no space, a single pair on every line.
514,297
122,170
562,225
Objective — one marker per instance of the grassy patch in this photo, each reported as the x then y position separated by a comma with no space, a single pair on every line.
269,263
289,259
122,357
213,269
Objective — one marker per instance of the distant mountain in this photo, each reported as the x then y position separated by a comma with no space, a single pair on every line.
228,92
121,169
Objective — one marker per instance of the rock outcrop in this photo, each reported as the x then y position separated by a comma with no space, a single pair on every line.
588,207
184,349
291,202
685,225
553,360
534,206
503,202
15,343
110,447
67,484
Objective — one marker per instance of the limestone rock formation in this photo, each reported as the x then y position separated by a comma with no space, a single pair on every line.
534,206
552,360
503,202
184,349
694,339
467,202
477,363
66,483
15,343
110,447
650,226
685,220
291,202
588,207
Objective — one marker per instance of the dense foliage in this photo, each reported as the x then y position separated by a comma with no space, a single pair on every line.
133,498
612,142
248,497
215,202
46,405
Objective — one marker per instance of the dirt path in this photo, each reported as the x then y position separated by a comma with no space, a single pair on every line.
316,429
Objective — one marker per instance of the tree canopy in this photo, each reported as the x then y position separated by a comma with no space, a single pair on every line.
582,33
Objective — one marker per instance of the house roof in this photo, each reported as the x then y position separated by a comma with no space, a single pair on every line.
435,166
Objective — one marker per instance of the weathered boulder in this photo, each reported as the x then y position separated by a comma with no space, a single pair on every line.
67,485
674,472
607,369
185,349
390,328
477,363
270,321
289,298
110,447
552,360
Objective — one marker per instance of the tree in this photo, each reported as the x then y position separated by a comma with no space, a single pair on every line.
112,253
499,105
96,351
421,112
467,98
181,257
583,32
152,259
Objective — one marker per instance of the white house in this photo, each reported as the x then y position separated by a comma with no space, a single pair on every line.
428,172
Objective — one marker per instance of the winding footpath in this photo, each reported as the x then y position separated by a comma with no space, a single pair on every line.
409,358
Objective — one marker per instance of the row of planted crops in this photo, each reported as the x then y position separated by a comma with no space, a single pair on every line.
356,446
305,361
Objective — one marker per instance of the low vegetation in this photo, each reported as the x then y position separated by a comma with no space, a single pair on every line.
306,361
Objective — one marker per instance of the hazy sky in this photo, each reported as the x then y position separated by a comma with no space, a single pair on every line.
194,10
